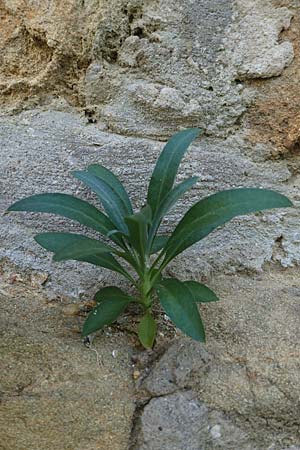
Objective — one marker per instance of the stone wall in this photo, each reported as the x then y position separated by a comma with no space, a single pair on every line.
108,81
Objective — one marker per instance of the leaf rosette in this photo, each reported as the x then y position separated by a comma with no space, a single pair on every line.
133,245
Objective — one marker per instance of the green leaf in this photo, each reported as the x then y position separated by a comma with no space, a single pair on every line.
138,229
107,261
58,242
147,330
78,246
175,298
158,243
215,210
200,293
66,206
114,294
112,203
174,195
165,170
55,241
155,274
168,202
114,182
111,303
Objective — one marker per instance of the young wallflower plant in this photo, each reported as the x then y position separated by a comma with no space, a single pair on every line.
135,238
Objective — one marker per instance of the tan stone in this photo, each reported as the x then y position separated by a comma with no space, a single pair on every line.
71,310
46,47
55,392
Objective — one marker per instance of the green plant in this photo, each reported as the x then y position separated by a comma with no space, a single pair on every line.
134,238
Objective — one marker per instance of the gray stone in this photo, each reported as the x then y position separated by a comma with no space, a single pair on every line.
293,447
182,362
169,99
180,422
250,365
29,167
255,50
176,422
194,88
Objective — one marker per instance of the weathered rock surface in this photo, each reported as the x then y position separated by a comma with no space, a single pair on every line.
189,425
55,393
28,167
126,62
274,116
108,81
255,50
248,370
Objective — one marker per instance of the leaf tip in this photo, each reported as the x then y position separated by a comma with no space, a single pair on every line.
41,239
77,173
13,207
84,333
290,203
196,131
37,238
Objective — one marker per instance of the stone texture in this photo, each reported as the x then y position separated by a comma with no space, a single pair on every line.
181,422
46,48
274,116
248,370
55,392
117,47
28,167
293,447
124,47
110,80
172,78
253,41
186,420
182,362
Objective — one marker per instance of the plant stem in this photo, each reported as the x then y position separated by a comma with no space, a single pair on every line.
156,260
146,286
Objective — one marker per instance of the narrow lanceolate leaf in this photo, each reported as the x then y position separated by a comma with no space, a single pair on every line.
175,298
155,275
173,196
114,182
111,303
113,293
74,246
70,245
55,241
199,292
165,170
158,243
66,206
112,203
147,330
107,261
168,202
215,210
138,229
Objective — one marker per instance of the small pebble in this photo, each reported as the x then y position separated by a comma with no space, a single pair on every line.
71,310
216,432
89,304
136,374
15,278
38,279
